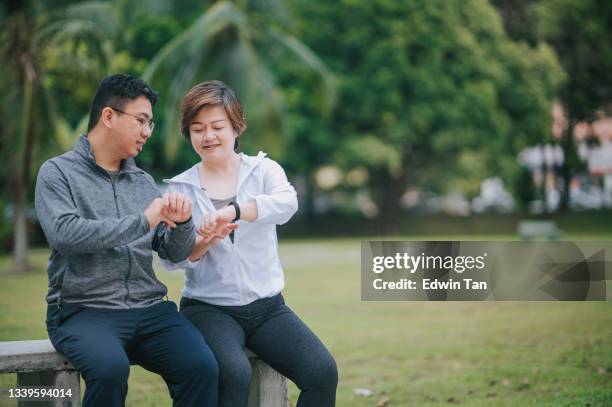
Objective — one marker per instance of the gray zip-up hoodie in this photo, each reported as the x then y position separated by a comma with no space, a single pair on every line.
99,237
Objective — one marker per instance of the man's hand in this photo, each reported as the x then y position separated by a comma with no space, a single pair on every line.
154,214
171,209
177,207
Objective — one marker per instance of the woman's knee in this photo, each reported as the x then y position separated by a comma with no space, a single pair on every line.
235,370
329,371
324,374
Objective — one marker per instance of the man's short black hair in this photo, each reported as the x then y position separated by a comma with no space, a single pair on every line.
116,91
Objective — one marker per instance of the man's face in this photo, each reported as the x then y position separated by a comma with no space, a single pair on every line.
131,127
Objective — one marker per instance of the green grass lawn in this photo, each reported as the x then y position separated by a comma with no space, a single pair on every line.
411,353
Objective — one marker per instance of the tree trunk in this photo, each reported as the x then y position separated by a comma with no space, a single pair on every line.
20,248
20,236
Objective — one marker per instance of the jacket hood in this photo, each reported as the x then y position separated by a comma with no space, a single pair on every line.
192,177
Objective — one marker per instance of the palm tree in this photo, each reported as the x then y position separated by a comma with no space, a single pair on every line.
31,33
237,44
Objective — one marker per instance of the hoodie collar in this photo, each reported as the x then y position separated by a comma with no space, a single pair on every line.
83,148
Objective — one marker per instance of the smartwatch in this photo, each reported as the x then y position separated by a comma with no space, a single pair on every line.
237,207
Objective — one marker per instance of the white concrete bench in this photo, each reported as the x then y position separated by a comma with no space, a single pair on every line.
38,364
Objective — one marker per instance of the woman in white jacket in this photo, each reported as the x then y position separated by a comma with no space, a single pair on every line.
233,278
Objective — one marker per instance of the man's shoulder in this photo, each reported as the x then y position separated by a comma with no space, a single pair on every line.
68,157
59,164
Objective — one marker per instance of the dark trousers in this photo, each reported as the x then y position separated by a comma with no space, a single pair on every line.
101,344
274,332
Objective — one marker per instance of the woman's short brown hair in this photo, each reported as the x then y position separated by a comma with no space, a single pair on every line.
212,93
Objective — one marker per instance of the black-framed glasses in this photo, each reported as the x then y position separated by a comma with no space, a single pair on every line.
143,122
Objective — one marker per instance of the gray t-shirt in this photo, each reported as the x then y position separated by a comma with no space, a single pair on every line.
113,175
222,203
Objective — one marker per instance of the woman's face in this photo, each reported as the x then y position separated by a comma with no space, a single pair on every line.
212,134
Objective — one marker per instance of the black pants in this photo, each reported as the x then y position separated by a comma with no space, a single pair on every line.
101,343
274,332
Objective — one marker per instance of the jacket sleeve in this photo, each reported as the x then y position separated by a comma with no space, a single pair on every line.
279,202
66,230
181,265
175,244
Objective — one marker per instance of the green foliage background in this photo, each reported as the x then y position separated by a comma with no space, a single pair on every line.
418,94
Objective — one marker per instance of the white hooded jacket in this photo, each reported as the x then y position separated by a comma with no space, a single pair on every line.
249,269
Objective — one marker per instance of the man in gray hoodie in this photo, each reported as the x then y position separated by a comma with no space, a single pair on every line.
102,216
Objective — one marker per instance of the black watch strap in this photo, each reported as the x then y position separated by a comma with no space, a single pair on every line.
183,222
237,207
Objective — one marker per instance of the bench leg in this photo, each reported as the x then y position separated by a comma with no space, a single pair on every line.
60,379
268,387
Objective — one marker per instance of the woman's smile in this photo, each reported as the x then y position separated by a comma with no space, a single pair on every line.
211,147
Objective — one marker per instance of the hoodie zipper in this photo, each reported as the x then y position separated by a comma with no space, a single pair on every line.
90,160
127,288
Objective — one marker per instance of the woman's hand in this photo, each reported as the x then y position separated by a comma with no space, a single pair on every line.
208,236
217,235
216,226
221,216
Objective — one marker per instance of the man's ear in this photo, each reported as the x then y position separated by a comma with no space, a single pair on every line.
106,117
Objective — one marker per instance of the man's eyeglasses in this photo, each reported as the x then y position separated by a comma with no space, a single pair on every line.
143,122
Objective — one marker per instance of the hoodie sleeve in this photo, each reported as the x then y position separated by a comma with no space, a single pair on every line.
174,244
279,202
66,230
